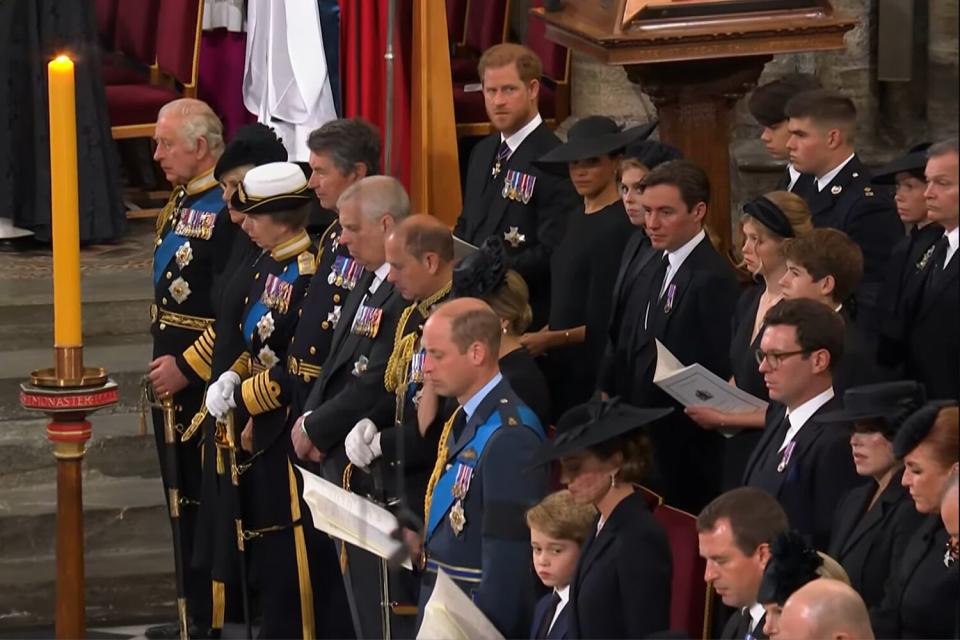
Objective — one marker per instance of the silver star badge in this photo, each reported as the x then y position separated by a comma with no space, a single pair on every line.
360,366
180,290
514,237
334,316
267,357
265,326
184,255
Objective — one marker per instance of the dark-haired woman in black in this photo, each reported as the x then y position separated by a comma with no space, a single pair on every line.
875,521
583,267
921,595
622,585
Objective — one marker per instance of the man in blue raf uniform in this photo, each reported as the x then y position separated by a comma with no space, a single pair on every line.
194,238
506,195
482,484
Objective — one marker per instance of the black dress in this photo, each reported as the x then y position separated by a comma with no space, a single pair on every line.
525,378
33,32
921,595
747,376
583,269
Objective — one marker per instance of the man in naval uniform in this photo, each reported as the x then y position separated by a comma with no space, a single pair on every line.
391,461
194,238
822,131
506,195
481,484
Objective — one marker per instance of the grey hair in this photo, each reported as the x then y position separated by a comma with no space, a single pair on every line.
944,147
378,196
197,121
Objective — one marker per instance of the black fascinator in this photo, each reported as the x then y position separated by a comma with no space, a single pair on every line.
482,272
793,563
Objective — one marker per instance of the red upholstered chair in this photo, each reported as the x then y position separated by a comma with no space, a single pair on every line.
134,107
456,22
690,597
555,87
134,42
487,24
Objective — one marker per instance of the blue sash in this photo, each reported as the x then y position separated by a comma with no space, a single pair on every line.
211,202
443,497
259,309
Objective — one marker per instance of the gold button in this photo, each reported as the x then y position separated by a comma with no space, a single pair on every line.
293,339
246,299
169,275
256,277
313,351
299,313
240,326
284,269
162,326
163,301
159,242
325,325
336,298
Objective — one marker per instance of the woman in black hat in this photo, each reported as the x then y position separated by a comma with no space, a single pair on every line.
792,564
622,585
920,600
765,223
874,522
483,274
583,267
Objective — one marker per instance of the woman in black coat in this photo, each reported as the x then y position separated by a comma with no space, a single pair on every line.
921,596
873,524
622,585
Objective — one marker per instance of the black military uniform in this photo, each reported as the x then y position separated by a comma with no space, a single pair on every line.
866,213
523,204
194,239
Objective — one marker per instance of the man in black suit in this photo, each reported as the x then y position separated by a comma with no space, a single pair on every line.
351,381
735,531
803,463
932,308
766,105
826,266
683,295
822,126
505,194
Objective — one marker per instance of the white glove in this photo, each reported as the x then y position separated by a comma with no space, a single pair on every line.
362,444
219,397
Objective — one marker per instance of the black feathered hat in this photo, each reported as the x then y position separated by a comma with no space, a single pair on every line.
889,402
913,162
254,144
595,136
482,272
793,563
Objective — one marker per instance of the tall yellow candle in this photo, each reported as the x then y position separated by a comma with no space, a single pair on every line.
64,204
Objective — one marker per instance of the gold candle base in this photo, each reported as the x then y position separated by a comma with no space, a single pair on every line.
69,371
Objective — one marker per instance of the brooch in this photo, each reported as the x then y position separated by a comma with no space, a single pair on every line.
514,237
180,290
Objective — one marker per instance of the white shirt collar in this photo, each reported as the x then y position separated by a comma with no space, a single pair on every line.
800,415
953,239
517,138
470,406
676,258
756,612
823,182
379,275
794,176
564,594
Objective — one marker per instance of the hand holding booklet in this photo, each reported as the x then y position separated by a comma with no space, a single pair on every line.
352,518
694,384
450,614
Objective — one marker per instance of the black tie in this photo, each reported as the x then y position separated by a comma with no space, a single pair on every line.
548,616
656,284
938,261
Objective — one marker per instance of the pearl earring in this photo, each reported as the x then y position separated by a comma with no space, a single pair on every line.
613,480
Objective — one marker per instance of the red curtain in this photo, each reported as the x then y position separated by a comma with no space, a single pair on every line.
363,41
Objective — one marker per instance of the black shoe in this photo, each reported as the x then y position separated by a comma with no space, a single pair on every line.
23,244
171,631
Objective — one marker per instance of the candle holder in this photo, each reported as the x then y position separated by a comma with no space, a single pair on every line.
68,393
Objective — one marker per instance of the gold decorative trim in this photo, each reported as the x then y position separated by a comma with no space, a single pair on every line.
292,247
183,321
